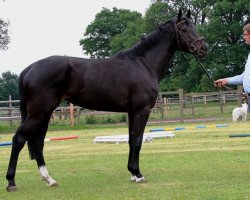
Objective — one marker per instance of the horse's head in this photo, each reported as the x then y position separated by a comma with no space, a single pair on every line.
187,37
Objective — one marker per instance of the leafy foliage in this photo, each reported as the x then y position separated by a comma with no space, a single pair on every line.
157,14
128,37
8,86
4,37
107,24
224,33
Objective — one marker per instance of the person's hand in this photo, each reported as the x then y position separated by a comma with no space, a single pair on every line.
221,82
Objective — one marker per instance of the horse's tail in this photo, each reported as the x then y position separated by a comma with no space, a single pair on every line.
23,110
23,107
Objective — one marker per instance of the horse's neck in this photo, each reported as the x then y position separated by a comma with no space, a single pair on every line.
158,57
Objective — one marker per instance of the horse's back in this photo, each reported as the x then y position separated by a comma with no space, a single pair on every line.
45,69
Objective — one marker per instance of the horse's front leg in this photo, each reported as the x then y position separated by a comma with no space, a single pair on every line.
135,141
130,125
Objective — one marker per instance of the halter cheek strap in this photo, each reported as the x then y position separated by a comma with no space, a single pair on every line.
191,46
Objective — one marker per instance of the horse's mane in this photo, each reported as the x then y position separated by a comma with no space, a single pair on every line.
146,42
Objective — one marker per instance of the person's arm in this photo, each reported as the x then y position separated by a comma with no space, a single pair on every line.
235,80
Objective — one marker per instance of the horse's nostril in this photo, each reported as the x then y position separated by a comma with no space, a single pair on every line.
204,47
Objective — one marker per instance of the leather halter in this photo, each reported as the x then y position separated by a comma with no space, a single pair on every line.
191,46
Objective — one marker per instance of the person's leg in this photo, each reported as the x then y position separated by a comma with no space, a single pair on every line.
248,101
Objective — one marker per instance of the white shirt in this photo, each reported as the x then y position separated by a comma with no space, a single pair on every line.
243,78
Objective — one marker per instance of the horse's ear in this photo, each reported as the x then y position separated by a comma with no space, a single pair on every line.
179,15
189,13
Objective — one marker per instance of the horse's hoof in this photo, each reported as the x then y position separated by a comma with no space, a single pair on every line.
53,184
140,180
11,188
137,180
133,178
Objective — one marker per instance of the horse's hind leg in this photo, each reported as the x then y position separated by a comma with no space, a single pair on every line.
32,130
42,166
18,143
36,145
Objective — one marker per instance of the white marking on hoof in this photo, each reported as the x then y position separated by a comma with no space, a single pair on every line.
133,178
52,183
46,177
140,180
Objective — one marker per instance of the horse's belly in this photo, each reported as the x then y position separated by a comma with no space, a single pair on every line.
102,102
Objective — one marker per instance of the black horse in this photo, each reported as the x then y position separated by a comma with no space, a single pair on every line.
125,82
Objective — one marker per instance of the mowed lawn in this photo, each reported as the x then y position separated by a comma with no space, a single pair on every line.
196,164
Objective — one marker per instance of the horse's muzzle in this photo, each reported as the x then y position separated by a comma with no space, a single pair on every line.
201,50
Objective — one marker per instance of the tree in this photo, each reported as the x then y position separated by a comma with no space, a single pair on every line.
224,34
199,8
157,14
107,24
128,37
4,37
8,86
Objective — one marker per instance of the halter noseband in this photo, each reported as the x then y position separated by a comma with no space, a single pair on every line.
191,46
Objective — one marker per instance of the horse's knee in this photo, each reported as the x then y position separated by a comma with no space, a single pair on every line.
18,141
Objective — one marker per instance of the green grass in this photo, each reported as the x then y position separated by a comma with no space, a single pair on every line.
196,164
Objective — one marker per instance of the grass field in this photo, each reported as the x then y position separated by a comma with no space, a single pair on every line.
196,164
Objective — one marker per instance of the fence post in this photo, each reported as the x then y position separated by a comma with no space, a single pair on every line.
71,109
161,106
78,114
239,92
10,109
165,107
205,99
181,105
221,100
192,103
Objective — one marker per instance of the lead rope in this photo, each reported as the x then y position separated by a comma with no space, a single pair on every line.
209,75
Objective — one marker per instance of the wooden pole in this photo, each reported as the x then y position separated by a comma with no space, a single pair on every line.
239,92
161,106
78,113
192,103
221,101
181,105
205,99
71,109
10,110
